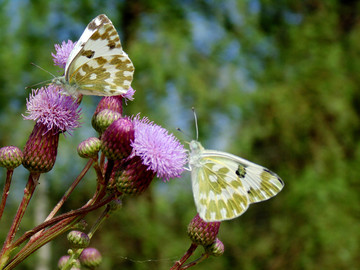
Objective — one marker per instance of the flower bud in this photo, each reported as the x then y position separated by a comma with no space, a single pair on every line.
10,157
41,149
201,232
216,248
90,257
115,205
116,139
134,178
89,148
78,239
103,119
113,103
64,259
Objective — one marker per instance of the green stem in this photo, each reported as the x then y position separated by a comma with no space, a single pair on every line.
28,192
5,194
76,254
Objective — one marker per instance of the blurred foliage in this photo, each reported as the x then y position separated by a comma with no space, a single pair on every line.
276,82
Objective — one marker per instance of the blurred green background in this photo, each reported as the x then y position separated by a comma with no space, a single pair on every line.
276,82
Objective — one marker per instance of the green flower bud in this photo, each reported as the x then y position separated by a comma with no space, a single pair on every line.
10,157
103,119
216,248
64,259
78,239
89,148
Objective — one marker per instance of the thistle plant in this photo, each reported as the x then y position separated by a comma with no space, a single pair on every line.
129,152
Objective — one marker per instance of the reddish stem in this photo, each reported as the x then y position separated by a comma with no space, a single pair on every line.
28,192
5,194
184,258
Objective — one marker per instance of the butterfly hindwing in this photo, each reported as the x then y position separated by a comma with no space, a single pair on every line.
218,194
224,185
109,73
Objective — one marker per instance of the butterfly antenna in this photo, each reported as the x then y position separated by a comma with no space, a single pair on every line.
31,86
43,70
196,124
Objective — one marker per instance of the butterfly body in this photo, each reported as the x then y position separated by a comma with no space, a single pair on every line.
97,65
224,185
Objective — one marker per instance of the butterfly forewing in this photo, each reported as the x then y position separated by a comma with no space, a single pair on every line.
97,65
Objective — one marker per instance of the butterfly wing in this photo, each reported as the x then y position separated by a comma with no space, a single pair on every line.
97,65
224,185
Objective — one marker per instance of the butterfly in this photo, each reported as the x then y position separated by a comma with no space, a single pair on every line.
224,185
97,65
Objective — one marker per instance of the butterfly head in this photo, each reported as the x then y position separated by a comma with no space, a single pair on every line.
196,147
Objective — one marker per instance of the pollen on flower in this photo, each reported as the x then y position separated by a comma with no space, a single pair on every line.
62,53
160,151
59,113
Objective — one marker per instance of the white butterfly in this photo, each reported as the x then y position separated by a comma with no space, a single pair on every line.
224,185
97,65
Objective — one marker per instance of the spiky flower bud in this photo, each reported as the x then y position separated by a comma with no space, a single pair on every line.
64,259
134,178
116,139
102,120
113,103
78,239
41,149
216,248
201,232
89,148
90,257
10,157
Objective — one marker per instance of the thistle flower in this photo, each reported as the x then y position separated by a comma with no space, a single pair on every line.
155,152
59,113
116,139
53,113
90,257
10,157
160,151
62,53
129,95
201,232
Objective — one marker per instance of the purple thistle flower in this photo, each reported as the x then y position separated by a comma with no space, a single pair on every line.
129,95
62,53
160,151
59,113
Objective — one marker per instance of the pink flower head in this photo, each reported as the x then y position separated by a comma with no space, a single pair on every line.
59,113
62,53
160,151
